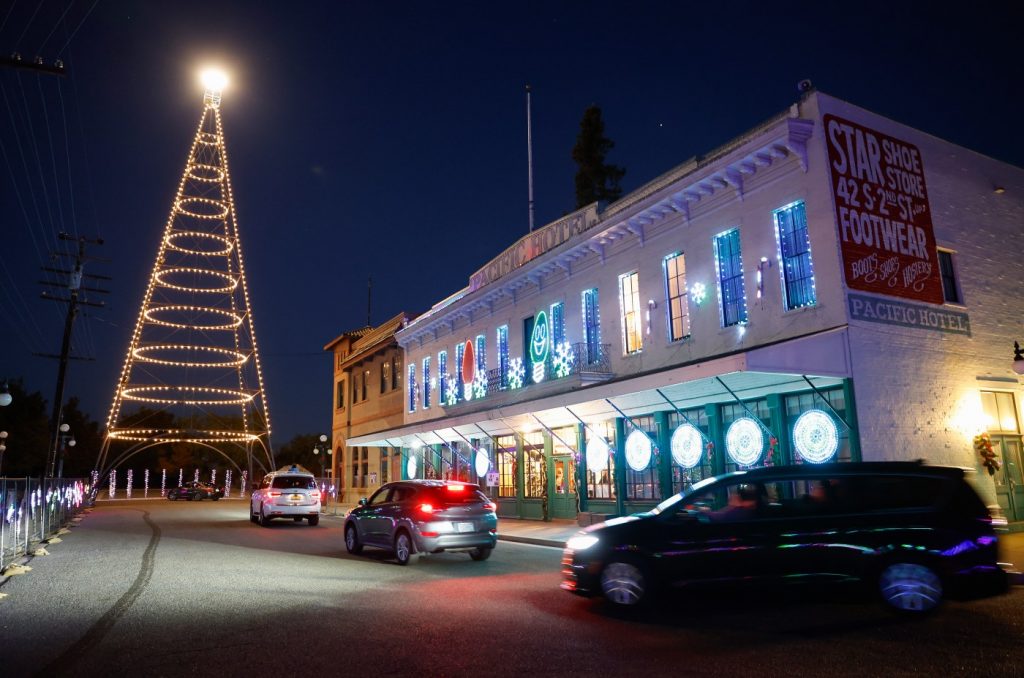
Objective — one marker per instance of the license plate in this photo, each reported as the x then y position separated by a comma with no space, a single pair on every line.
464,527
296,497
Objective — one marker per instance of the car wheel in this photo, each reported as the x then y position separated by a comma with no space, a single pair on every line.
624,583
214,498
313,521
481,553
910,587
171,497
403,548
253,518
264,518
297,519
352,540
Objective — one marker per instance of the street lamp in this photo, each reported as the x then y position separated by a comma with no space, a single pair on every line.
3,446
5,396
322,448
1018,358
66,440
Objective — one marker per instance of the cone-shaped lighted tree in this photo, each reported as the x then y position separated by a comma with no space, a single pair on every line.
193,351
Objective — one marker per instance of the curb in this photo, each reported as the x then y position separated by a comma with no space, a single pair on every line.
552,543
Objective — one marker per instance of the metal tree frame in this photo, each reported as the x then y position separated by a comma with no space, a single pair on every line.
193,351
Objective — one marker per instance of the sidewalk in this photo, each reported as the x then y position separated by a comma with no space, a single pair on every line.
552,533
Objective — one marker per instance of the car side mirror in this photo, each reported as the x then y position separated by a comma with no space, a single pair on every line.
362,502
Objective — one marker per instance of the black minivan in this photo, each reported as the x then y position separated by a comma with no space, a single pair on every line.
911,531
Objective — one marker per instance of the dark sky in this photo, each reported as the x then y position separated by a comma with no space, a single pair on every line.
388,139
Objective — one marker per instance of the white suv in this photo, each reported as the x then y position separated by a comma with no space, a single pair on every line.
287,493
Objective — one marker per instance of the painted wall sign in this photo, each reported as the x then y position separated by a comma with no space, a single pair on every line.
882,211
908,315
535,244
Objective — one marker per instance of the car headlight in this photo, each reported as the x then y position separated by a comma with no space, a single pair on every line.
581,542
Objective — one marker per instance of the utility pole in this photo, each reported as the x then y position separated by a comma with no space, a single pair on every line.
73,284
15,61
529,156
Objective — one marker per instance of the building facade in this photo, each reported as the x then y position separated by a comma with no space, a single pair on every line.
830,286
368,395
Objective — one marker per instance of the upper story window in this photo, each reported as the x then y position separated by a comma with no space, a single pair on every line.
675,293
396,371
729,264
412,386
442,376
950,287
385,375
591,325
426,382
357,390
795,267
340,395
366,384
460,351
629,300
557,324
502,341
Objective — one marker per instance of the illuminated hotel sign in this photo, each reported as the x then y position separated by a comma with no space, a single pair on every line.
535,244
883,214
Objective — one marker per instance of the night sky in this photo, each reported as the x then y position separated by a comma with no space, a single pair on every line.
388,139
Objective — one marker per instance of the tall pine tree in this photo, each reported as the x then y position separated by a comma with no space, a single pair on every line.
595,179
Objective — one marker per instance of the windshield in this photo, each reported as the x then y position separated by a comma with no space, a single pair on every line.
294,482
693,489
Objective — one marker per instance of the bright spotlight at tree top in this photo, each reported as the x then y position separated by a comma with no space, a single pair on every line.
214,80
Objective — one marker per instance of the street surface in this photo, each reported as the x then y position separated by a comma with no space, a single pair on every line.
159,588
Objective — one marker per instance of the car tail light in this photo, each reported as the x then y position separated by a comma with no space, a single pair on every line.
274,494
456,488
430,534
315,494
491,506
426,508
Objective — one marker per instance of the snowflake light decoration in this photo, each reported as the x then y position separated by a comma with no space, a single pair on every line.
516,373
453,391
699,293
564,359
480,384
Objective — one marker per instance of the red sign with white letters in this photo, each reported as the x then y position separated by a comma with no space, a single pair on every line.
882,211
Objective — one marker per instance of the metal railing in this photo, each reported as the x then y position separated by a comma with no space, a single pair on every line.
33,510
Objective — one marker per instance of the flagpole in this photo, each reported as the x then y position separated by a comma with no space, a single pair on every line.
529,156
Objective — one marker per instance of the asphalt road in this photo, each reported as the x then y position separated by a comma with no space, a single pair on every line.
168,589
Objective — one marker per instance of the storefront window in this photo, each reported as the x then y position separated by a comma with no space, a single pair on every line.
534,467
454,462
805,402
600,460
642,483
563,443
683,477
506,449
758,410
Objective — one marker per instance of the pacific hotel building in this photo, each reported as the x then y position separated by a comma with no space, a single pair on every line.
831,286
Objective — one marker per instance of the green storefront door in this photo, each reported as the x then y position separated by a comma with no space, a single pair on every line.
562,490
1010,479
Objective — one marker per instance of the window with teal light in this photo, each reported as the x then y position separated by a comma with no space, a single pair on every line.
481,353
675,291
557,324
460,350
591,325
795,266
729,265
503,354
442,376
426,382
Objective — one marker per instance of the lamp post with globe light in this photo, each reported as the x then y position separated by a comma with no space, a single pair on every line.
66,440
322,448
3,448
5,400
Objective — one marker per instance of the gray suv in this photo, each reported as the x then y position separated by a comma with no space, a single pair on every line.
415,517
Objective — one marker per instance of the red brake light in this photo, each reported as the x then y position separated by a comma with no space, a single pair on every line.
491,506
426,508
274,494
456,488
315,494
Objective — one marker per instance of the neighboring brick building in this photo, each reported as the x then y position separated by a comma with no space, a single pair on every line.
368,396
831,285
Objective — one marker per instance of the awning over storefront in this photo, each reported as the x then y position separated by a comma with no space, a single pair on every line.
823,359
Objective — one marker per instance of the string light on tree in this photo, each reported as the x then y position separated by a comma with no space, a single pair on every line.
245,477
227,483
128,486
113,484
163,482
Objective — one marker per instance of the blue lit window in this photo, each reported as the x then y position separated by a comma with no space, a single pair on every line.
442,376
795,256
557,324
426,382
460,350
481,353
412,387
503,354
675,291
591,326
729,263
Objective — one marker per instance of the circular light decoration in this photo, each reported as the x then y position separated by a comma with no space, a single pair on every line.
482,463
638,451
597,454
410,467
167,277
744,441
686,446
202,172
191,206
815,436
221,246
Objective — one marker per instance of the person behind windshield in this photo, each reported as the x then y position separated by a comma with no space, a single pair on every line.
742,505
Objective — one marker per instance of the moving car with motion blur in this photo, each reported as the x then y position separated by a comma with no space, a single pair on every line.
195,490
910,532
290,492
415,517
